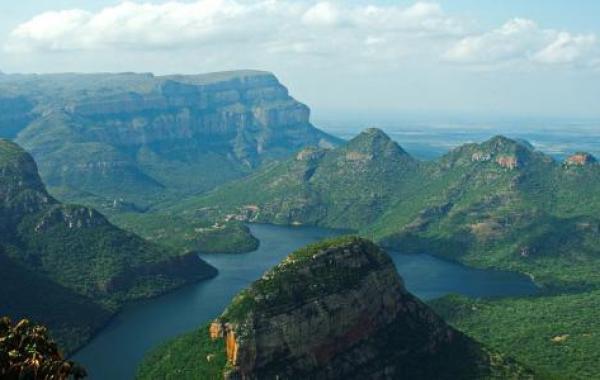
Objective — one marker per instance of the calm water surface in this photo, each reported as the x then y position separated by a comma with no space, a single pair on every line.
118,349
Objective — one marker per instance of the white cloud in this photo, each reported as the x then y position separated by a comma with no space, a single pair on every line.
522,41
567,48
245,32
322,14
263,22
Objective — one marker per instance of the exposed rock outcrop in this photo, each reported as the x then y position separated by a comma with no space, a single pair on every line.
337,310
580,159
508,162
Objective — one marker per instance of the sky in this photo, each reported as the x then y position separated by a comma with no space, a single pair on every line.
534,58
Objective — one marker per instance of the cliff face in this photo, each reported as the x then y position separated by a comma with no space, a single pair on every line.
140,137
181,108
340,310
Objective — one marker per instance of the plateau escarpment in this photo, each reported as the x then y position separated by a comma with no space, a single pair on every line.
336,309
132,139
58,255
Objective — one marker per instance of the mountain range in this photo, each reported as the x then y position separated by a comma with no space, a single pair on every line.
138,172
498,204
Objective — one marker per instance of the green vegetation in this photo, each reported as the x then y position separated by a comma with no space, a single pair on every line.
554,334
499,204
294,281
186,234
349,187
27,352
71,317
231,237
193,356
66,266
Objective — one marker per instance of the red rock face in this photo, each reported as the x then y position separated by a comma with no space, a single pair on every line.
580,159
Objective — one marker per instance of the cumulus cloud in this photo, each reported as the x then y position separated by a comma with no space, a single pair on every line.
325,31
522,40
178,24
566,48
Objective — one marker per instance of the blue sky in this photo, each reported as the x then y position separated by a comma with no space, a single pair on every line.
469,57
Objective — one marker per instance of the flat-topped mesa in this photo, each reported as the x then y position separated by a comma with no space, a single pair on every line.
200,92
338,309
580,159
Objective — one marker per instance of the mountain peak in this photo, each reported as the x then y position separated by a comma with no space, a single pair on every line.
375,142
500,142
373,134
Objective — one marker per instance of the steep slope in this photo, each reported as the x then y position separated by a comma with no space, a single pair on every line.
348,187
502,204
74,253
337,309
125,141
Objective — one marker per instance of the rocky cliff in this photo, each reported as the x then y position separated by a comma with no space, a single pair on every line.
339,310
139,137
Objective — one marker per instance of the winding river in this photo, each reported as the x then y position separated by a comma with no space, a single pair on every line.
118,349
